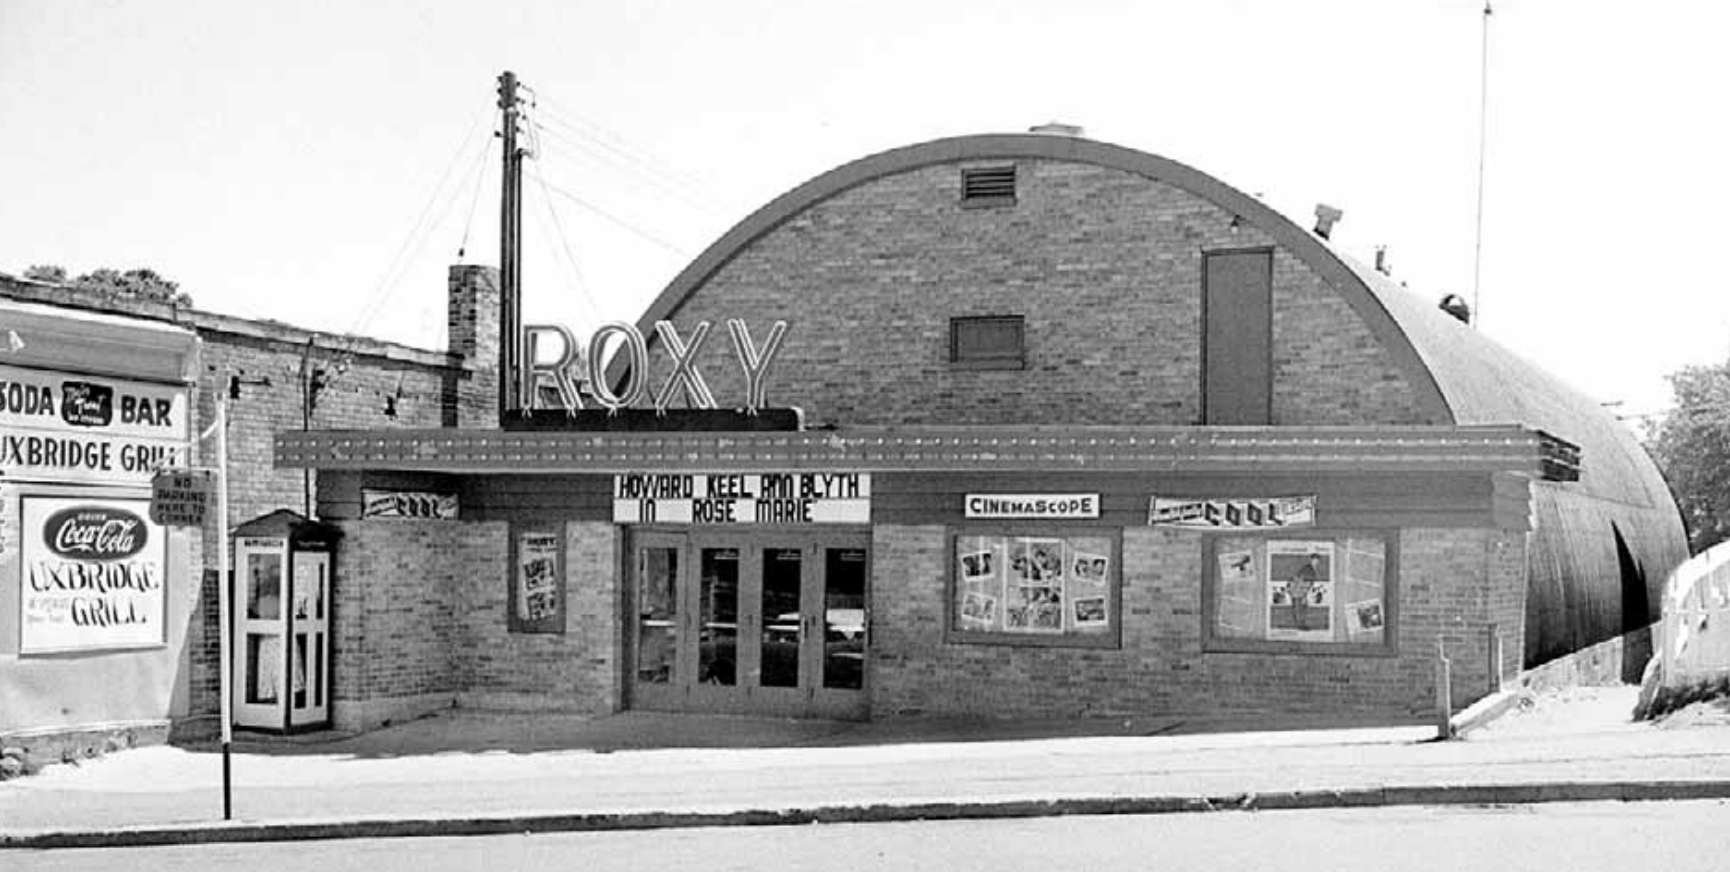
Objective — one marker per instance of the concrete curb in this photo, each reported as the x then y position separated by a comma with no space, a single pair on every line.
383,828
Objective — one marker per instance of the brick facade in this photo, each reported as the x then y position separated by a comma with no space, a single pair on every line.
1104,265
577,670
420,623
1453,583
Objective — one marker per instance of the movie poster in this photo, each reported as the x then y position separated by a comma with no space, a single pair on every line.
1238,597
1089,593
980,560
1363,590
538,605
1035,589
1300,590
1033,584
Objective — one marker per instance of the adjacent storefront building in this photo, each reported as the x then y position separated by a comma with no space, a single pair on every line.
95,596
1080,431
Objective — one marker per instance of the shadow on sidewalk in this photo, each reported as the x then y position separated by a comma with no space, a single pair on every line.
470,731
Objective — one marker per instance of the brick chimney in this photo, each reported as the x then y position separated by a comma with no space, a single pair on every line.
474,336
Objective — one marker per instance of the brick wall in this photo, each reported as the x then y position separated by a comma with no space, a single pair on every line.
1452,583
396,614
1104,265
577,670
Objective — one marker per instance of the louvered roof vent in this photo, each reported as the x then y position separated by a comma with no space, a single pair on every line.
988,184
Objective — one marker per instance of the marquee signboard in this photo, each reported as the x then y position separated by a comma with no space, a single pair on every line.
93,575
59,427
742,498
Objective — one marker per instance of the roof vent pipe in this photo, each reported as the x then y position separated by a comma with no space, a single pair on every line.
1382,265
1056,128
1455,305
1326,217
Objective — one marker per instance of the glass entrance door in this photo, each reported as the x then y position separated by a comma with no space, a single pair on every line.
662,659
750,622
838,685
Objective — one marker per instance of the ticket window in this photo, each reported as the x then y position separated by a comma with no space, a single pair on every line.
282,656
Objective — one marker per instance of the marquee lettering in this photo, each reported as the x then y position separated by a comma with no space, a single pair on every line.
685,370
570,368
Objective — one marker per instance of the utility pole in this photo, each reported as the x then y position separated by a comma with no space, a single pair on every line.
510,251
1483,139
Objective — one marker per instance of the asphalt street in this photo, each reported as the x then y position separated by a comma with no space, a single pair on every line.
1579,837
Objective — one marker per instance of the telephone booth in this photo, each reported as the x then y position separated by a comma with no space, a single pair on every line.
283,568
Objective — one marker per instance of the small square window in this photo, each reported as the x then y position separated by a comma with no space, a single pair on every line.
992,342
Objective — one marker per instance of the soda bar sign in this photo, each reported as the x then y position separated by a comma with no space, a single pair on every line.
56,427
742,498
1233,514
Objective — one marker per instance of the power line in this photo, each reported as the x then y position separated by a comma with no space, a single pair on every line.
416,236
565,245
480,176
661,181
619,143
644,234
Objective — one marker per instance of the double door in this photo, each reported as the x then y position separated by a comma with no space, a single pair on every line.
754,622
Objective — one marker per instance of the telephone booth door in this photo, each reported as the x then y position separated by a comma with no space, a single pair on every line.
261,684
283,575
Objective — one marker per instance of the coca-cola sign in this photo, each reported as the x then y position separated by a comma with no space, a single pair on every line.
95,533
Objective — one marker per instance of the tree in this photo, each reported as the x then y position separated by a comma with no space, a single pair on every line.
141,284
1692,447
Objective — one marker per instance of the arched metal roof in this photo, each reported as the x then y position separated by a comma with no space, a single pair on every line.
1294,239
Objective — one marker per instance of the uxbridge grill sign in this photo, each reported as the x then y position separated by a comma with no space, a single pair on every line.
742,498
93,575
103,431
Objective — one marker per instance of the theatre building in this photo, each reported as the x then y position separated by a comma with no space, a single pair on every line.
1082,431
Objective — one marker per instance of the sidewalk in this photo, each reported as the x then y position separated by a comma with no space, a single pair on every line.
538,772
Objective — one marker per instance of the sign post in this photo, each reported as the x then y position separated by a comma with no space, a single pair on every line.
224,607
179,498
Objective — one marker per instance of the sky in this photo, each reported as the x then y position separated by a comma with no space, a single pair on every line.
323,163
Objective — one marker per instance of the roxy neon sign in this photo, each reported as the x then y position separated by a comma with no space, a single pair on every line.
686,378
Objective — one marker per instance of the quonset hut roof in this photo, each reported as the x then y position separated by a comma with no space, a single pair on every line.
1618,526
1460,377
1484,383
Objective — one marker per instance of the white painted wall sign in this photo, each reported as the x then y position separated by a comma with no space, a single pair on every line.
62,427
742,498
93,575
1035,506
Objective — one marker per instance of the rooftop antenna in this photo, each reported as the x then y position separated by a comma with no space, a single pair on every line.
1483,126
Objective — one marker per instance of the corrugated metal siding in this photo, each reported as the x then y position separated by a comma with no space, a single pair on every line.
1581,591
